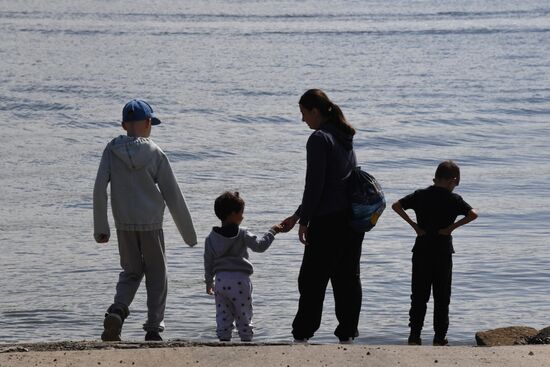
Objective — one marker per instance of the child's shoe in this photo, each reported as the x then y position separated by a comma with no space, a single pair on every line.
346,340
112,327
440,341
300,341
153,336
414,339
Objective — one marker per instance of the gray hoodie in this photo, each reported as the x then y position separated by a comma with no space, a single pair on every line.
142,182
230,253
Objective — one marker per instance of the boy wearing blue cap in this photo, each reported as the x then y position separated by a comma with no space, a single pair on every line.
142,184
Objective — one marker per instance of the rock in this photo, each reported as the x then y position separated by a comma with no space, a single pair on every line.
14,349
505,336
542,337
544,333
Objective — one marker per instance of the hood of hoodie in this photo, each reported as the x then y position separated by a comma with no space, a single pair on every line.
223,244
135,152
344,138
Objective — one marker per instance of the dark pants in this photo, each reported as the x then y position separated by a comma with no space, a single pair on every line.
431,270
333,253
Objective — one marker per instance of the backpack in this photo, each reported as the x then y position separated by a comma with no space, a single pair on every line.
367,200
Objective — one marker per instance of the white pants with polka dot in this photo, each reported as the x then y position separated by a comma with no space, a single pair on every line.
233,305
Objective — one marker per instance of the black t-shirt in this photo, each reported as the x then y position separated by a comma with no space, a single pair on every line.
436,208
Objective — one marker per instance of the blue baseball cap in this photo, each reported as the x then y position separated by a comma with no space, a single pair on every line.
138,110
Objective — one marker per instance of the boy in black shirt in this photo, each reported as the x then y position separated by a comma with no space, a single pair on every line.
436,209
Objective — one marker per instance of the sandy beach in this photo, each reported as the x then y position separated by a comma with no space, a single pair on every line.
170,354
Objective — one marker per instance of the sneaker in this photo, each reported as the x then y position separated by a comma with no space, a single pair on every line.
440,341
300,341
346,340
153,336
414,340
112,326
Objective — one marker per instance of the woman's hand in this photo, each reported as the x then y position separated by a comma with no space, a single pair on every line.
289,223
302,234
278,228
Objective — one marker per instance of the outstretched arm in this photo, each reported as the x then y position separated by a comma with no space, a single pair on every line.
261,244
289,223
176,203
472,215
398,208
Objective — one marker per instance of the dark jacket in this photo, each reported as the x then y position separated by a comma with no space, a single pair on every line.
330,158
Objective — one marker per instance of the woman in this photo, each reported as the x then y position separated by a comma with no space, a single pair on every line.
332,248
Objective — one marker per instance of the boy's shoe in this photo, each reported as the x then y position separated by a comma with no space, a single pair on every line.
414,339
300,341
346,340
440,341
153,336
112,326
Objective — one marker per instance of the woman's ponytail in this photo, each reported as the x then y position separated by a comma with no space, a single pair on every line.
316,98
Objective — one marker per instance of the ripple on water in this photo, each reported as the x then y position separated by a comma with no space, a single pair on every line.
421,81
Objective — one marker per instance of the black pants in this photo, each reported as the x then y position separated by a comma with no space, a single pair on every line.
431,270
333,253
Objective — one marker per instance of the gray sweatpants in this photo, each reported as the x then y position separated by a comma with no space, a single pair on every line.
233,291
142,253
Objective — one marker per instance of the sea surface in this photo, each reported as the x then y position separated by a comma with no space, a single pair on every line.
422,81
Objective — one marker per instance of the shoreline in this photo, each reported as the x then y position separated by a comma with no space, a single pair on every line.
185,353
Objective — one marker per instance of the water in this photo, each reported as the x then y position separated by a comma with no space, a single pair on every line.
422,81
